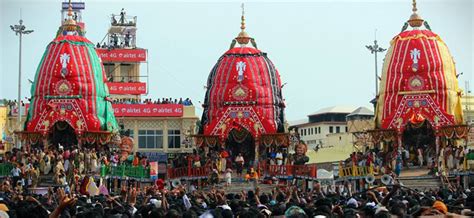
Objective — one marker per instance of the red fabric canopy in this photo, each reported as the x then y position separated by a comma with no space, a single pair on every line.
243,92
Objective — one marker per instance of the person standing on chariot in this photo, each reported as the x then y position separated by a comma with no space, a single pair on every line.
223,155
419,152
279,158
80,162
47,160
196,159
239,160
87,161
450,158
228,177
93,165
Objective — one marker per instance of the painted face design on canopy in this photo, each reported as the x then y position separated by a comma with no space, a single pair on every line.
240,69
415,56
64,59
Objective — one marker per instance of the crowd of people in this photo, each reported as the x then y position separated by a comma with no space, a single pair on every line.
281,201
185,102
13,104
64,166
71,167
450,158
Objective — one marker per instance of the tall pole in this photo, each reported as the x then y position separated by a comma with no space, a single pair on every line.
376,72
374,49
19,30
19,87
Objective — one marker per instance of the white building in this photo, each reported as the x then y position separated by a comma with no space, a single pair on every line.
333,133
315,129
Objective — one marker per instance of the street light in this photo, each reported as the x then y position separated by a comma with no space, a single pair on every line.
374,49
19,30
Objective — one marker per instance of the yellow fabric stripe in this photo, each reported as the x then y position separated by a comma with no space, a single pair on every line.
381,98
453,102
399,38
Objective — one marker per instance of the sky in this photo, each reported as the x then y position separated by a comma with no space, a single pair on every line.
317,46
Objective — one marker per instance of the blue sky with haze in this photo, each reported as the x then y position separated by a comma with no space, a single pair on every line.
317,46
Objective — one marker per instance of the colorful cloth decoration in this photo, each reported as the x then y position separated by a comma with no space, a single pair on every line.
243,92
69,86
418,80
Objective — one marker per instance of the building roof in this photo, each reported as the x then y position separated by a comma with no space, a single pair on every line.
334,110
298,122
361,111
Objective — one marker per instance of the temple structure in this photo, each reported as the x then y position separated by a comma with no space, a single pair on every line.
419,103
243,105
69,98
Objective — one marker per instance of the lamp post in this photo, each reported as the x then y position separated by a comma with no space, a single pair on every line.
19,30
374,49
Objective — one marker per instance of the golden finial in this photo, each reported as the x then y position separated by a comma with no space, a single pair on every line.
70,24
415,20
69,12
243,38
242,24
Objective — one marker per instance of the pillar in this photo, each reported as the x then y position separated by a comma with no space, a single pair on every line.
255,162
135,135
165,136
399,151
437,143
116,72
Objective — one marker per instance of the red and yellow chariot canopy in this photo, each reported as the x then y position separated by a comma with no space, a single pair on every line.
418,81
243,92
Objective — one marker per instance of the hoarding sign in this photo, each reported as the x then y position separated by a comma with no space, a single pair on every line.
134,88
121,55
148,110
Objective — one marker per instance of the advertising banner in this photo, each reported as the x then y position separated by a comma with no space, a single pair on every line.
148,110
121,55
134,88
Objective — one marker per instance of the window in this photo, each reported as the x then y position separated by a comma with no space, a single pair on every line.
315,130
174,138
311,131
319,130
338,129
304,132
301,131
331,129
346,129
149,139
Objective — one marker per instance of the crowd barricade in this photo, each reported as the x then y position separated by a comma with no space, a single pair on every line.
265,170
188,172
355,171
179,172
138,172
5,169
308,171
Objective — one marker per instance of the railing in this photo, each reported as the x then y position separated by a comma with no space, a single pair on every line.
5,169
304,171
138,172
189,172
355,171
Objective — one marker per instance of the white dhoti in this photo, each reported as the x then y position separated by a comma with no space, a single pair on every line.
450,163
47,168
223,164
420,160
